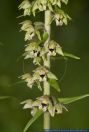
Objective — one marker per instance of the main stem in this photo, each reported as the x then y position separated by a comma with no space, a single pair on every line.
47,64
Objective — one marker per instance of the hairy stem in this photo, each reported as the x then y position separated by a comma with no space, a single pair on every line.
47,64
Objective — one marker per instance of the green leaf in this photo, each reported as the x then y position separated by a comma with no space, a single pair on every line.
72,99
50,75
45,36
71,56
36,116
4,97
54,84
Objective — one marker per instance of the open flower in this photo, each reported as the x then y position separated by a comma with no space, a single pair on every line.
61,17
58,2
55,2
32,50
32,30
39,5
26,6
28,28
40,74
28,78
42,5
52,49
26,25
44,103
58,19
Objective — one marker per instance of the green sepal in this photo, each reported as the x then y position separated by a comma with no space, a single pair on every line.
59,51
50,75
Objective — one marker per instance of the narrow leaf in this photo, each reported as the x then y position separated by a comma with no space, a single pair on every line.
36,116
72,99
71,56
54,84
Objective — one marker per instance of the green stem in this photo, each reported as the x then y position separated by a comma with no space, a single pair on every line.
47,64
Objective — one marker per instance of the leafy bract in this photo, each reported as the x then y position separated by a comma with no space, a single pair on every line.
72,99
54,84
45,37
71,56
36,116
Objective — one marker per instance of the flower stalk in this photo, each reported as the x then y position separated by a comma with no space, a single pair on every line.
47,63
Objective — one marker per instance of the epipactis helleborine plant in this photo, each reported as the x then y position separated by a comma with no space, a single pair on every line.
40,48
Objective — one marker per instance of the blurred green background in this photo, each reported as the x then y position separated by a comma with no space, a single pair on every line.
74,38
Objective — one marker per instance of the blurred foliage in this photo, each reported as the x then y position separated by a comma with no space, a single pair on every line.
74,38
